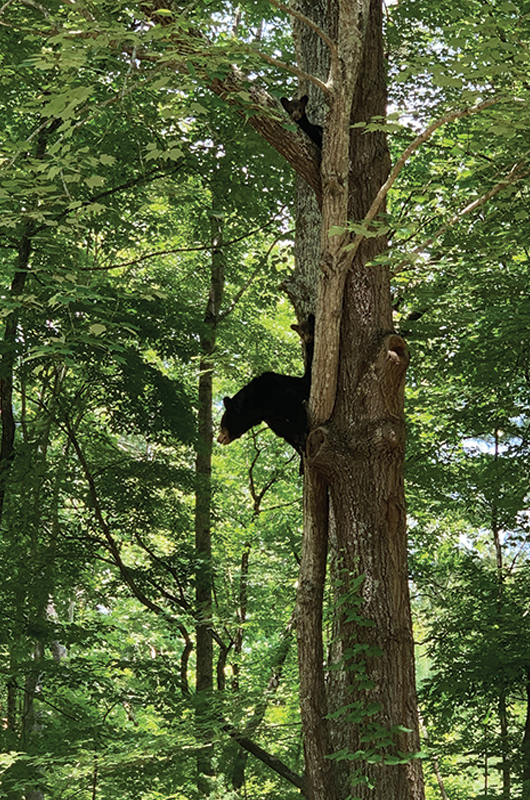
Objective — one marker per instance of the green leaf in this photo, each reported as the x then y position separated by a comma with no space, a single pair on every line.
97,329
336,230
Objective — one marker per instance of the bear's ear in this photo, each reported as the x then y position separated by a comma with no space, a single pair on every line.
304,100
285,103
227,401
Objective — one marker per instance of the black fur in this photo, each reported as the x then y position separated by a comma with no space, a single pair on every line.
279,400
296,110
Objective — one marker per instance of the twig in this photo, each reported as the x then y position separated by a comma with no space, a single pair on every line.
515,174
402,160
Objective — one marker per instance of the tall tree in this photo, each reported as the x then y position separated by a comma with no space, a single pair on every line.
356,445
356,449
359,719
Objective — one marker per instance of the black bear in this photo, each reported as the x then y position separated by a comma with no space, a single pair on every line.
296,110
279,400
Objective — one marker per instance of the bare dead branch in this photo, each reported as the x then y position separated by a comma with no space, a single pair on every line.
307,21
300,73
266,758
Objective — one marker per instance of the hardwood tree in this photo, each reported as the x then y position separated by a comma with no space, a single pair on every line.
355,454
355,449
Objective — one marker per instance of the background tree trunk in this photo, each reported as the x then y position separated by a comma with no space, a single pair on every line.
203,500
7,360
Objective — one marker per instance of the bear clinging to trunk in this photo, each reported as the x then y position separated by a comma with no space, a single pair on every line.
275,399
279,400
296,110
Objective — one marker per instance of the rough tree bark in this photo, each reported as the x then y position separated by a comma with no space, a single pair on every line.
355,452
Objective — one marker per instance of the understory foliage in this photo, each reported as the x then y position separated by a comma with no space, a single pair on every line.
116,161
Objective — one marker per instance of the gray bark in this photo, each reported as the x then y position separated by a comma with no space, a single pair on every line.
203,501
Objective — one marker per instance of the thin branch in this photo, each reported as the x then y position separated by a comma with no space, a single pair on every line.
238,773
147,178
30,3
516,173
183,603
257,497
261,264
300,73
192,249
40,697
283,505
111,542
309,22
80,10
402,160
518,553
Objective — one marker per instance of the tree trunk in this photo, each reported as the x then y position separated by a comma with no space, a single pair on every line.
203,500
356,450
7,361
502,705
525,745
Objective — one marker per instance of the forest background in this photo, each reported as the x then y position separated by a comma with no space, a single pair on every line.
129,193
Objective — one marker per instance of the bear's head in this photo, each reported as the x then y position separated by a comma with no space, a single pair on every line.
232,422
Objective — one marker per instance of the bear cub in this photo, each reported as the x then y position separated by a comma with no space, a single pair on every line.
276,399
296,110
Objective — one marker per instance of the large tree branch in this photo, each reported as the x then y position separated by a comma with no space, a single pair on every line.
294,146
263,113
